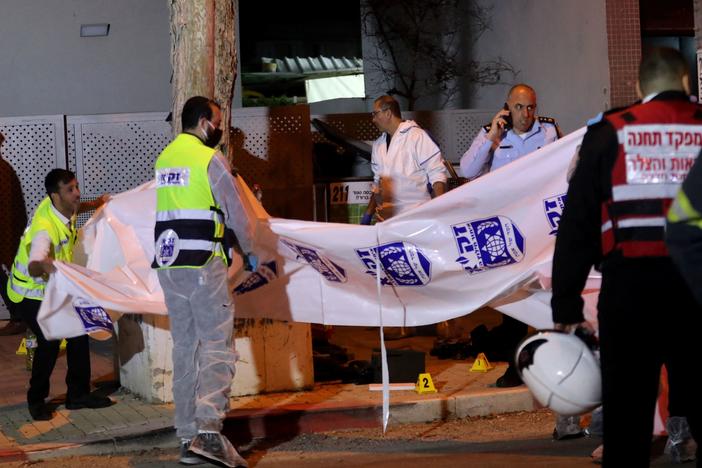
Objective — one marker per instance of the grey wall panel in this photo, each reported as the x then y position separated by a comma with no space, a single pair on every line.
47,68
557,46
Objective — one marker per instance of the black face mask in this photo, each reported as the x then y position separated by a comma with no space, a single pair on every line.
213,137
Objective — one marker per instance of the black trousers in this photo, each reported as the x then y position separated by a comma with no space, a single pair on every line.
647,318
507,337
11,306
77,356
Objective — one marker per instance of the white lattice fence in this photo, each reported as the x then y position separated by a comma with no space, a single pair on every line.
108,153
33,146
453,130
114,153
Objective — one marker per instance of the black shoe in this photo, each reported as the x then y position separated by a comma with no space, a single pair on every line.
13,328
40,412
509,379
214,446
88,401
187,457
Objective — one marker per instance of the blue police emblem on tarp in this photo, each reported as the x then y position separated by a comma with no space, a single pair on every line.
401,264
553,207
264,274
93,316
488,243
330,270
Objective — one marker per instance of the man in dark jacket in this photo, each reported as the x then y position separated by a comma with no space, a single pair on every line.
631,164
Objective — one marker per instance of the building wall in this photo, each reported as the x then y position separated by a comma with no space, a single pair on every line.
47,68
624,45
557,46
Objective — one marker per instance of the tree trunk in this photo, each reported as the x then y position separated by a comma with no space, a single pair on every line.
203,56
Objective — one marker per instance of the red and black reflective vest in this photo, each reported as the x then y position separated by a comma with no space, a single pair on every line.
658,141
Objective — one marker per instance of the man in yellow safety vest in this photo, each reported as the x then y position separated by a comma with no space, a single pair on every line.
197,203
50,237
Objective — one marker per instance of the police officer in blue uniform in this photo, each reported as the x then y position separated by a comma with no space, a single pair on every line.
515,131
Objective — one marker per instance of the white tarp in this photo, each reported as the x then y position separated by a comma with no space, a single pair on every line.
487,242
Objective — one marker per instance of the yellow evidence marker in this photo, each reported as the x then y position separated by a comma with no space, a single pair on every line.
22,349
481,364
425,384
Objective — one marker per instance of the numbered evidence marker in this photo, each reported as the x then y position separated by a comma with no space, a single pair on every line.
425,384
481,364
22,350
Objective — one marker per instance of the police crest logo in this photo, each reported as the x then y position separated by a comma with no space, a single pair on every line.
402,264
93,317
264,274
328,269
167,248
553,208
488,243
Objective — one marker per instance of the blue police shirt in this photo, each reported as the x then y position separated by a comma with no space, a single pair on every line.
512,147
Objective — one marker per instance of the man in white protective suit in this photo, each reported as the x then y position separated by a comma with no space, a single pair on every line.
197,203
408,169
407,164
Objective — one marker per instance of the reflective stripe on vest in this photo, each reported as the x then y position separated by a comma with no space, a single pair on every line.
27,292
682,210
21,284
21,268
189,226
657,144
641,192
210,215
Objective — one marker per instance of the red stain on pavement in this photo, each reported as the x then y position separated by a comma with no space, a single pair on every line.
11,454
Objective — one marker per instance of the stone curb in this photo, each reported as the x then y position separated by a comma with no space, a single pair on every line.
245,425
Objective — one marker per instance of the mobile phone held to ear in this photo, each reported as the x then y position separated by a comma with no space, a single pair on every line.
507,118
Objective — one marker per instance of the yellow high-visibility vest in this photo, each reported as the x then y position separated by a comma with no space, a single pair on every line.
682,210
21,284
189,227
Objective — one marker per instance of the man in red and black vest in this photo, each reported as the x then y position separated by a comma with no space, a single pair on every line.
631,164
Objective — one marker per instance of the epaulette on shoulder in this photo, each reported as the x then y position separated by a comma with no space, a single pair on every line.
549,120
595,119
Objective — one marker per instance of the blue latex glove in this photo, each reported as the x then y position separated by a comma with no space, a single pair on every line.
250,262
366,219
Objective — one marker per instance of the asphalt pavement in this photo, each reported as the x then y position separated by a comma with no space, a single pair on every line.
460,393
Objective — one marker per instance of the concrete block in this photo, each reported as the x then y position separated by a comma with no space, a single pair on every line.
273,356
144,351
430,409
250,375
288,364
494,402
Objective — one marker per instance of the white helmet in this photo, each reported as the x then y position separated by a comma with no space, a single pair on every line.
561,372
